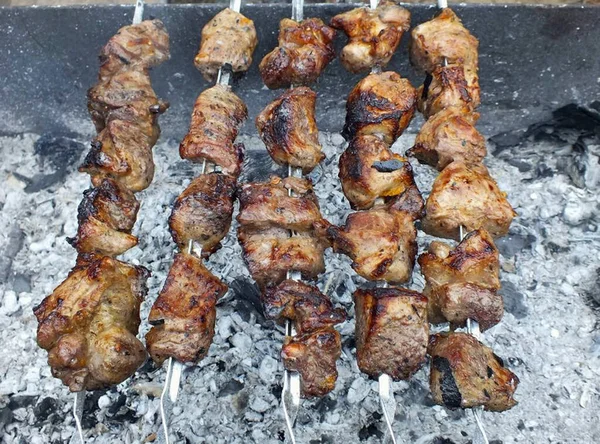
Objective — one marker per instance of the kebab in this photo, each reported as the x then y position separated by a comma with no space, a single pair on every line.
461,282
89,323
281,230
391,322
184,313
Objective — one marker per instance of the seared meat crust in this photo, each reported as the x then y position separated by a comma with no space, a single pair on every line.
465,373
288,128
391,331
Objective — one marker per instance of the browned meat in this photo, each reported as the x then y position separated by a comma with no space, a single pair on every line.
369,170
202,213
452,85
285,203
443,37
381,104
217,117
301,303
465,195
183,315
143,45
314,356
448,136
288,128
374,34
305,48
382,241
270,253
462,283
391,331
89,324
228,38
465,373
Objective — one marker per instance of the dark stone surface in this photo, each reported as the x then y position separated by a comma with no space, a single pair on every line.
247,298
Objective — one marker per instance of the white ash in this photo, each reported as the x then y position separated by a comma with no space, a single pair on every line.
549,335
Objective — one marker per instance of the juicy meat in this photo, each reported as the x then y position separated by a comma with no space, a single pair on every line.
374,34
449,136
465,373
228,38
304,304
288,128
285,203
465,195
106,216
305,48
89,324
369,170
183,315
462,283
391,331
452,85
381,104
382,241
202,213
143,45
217,116
443,38
314,356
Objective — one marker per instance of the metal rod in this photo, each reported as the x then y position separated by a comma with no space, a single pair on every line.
138,14
388,403
78,403
442,4
297,10
373,3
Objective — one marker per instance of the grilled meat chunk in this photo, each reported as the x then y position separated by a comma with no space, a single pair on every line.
89,324
183,315
382,241
202,213
305,48
391,331
443,38
228,38
106,216
217,116
381,104
314,356
465,194
465,373
374,34
369,170
143,45
288,128
462,283
301,303
452,85
449,136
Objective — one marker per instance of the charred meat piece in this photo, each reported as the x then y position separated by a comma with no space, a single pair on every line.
89,324
288,128
284,203
106,216
382,241
391,331
202,213
305,48
314,356
183,315
452,85
462,283
143,45
369,170
381,104
228,38
465,373
217,117
443,38
304,304
374,34
449,136
465,195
